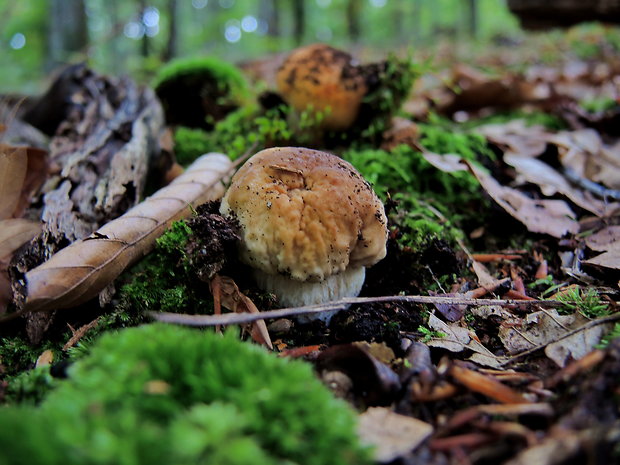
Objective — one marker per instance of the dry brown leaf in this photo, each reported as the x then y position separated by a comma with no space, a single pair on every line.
457,339
13,233
550,328
392,435
551,182
553,217
13,167
233,299
45,359
605,239
517,137
609,259
6,293
80,271
448,163
36,174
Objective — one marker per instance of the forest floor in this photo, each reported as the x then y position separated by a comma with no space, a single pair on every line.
490,333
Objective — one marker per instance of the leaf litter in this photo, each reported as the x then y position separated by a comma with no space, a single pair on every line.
482,377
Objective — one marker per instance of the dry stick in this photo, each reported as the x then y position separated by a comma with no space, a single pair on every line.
240,318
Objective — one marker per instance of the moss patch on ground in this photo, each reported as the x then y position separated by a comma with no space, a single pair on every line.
182,396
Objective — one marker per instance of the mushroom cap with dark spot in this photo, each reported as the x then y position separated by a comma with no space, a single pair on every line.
325,79
305,214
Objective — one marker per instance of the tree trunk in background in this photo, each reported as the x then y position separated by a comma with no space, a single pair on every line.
416,23
472,18
354,8
145,46
270,12
299,21
67,32
171,46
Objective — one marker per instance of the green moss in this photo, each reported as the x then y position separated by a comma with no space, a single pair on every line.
197,92
405,169
394,83
228,76
442,136
163,281
417,222
162,394
190,143
599,105
30,387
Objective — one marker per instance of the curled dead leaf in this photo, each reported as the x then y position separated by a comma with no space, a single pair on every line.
553,217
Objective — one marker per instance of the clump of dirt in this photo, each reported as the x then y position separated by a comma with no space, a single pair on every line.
376,322
213,242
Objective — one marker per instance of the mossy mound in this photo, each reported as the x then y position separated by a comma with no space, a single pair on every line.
162,394
197,92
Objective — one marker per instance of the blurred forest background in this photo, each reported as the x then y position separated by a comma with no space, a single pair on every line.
136,37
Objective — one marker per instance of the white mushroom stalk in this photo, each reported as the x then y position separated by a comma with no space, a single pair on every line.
310,224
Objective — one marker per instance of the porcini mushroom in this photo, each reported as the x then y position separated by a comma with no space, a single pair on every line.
310,224
325,79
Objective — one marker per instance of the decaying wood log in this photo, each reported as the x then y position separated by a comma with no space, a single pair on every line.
80,271
99,159
101,152
541,14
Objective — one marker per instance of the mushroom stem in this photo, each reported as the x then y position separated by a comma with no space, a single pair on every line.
294,293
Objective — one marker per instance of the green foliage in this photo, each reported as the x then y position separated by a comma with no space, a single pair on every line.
163,394
30,387
227,76
247,127
442,136
428,334
405,169
606,340
599,105
418,222
189,144
163,281
384,101
585,301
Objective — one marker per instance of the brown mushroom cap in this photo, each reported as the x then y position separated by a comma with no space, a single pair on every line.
306,215
322,77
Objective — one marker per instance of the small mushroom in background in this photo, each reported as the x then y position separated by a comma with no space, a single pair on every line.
323,79
326,79
310,224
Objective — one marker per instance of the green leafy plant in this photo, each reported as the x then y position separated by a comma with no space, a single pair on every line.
606,340
585,301
160,394
428,334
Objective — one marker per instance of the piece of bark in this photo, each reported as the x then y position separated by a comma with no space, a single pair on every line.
101,153
80,271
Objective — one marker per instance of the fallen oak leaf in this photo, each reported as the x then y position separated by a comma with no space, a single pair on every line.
553,217
14,232
80,271
392,435
13,167
551,182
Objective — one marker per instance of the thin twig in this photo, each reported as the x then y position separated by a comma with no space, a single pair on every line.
241,318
